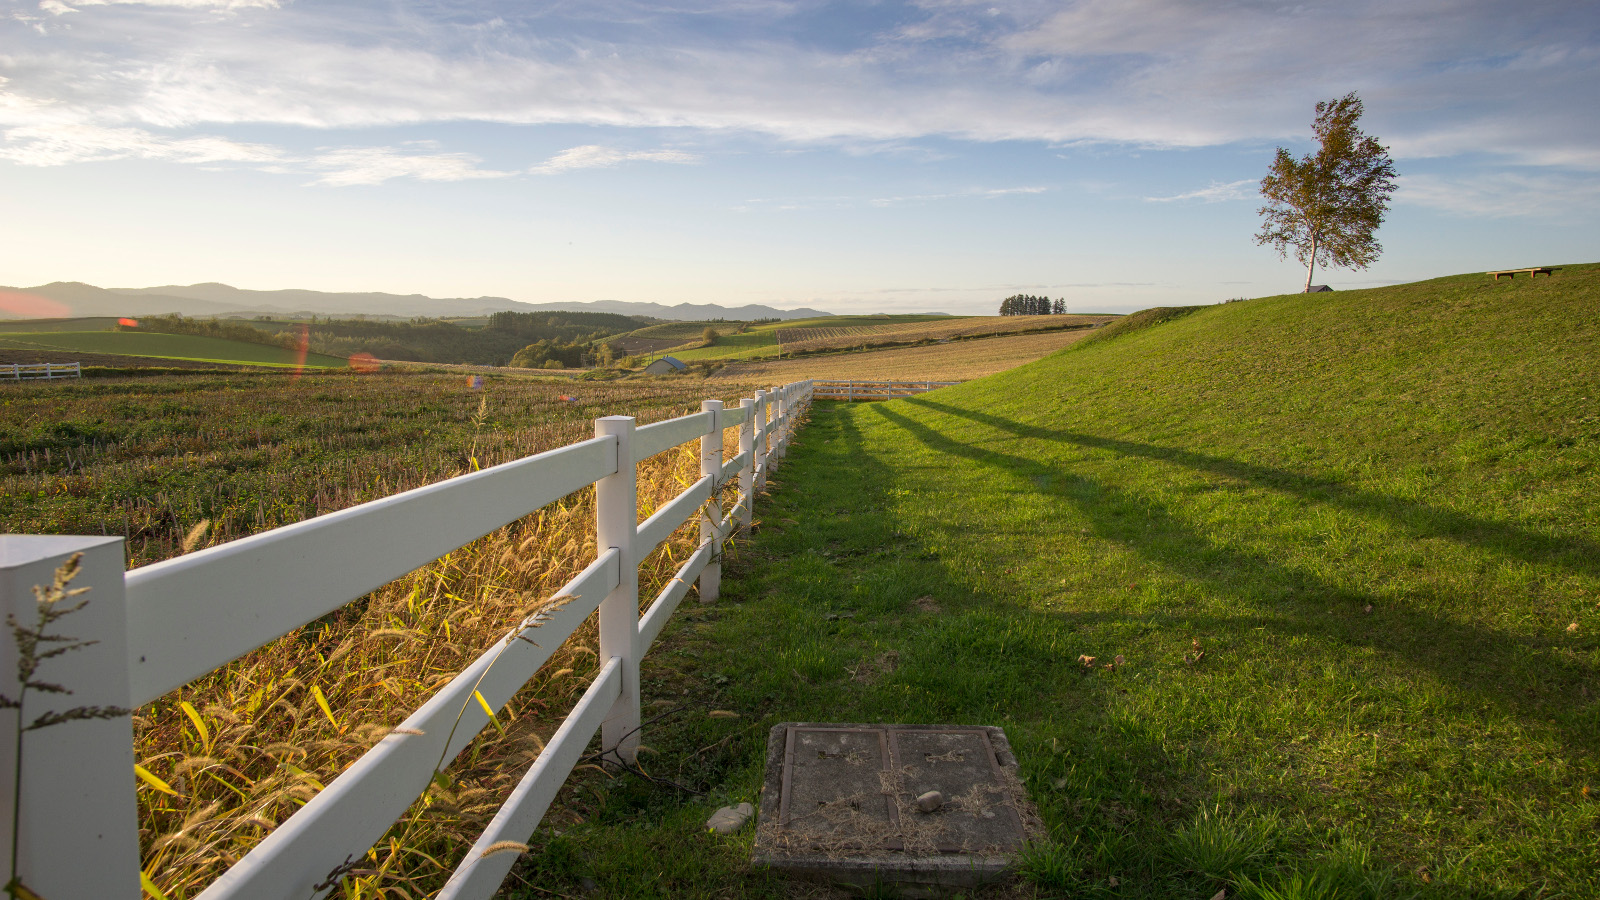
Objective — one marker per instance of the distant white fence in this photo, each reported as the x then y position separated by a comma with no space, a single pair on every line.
874,390
31,371
164,625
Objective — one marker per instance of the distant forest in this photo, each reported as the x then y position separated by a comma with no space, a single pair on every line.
558,336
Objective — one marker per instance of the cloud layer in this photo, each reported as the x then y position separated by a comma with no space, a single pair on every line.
104,79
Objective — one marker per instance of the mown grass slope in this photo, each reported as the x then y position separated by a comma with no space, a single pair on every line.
168,346
756,342
1336,559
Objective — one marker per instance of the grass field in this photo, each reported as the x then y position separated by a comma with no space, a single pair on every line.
955,361
166,346
755,343
87,323
1335,558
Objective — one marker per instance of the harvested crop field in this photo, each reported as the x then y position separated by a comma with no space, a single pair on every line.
180,463
151,458
802,340
955,361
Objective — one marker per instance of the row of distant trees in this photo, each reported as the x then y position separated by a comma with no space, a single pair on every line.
1029,305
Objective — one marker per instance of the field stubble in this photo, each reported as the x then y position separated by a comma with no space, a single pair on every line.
804,340
956,361
191,461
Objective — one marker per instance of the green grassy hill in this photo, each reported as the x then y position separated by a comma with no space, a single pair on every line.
756,343
1335,557
165,346
87,323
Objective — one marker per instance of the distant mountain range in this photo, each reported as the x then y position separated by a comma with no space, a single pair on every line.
73,299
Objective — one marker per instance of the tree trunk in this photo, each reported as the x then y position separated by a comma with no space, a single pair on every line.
1311,265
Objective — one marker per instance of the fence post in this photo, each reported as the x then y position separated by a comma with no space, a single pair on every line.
77,813
780,422
789,409
761,445
747,475
774,451
616,523
711,516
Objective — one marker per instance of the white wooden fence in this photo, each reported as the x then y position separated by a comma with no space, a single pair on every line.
161,626
874,390
29,371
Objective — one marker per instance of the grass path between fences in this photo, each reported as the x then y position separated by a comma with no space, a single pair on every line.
1336,565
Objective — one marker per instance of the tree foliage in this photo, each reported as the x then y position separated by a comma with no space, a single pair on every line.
1029,305
175,323
540,355
1326,207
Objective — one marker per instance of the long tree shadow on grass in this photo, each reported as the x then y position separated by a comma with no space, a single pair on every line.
1526,678
1123,794
1420,520
849,581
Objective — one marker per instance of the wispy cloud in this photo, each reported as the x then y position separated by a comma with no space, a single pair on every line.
974,194
63,144
375,165
594,156
1215,192
59,7
1551,195
1441,78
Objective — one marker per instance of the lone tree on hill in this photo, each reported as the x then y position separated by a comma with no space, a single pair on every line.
1327,206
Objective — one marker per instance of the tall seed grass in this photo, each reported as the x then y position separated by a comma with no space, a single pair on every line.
228,757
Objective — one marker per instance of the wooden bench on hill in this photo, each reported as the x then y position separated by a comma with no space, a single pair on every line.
1533,272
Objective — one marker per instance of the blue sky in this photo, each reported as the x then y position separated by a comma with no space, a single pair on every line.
895,156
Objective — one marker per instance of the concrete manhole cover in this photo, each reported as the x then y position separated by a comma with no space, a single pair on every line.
841,802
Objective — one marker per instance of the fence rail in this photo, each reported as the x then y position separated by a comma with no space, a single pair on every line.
162,626
39,371
874,390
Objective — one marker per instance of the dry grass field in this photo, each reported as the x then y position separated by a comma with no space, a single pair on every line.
807,340
955,361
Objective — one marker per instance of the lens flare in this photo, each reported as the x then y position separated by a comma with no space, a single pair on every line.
364,362
32,306
300,353
128,323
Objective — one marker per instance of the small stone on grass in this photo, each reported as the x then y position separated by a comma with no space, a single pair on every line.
729,819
